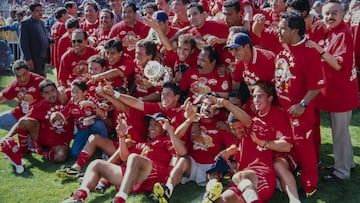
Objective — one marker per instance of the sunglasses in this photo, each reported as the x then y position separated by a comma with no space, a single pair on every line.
79,41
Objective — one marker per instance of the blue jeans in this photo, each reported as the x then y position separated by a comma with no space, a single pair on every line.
82,136
8,120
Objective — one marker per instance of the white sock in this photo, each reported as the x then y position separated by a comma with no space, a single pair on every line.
122,195
171,187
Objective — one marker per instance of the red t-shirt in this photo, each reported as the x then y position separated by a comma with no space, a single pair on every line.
260,67
221,31
77,113
341,86
70,60
57,31
101,36
135,120
298,69
198,83
42,112
31,89
63,46
90,28
129,35
159,150
278,124
210,142
127,66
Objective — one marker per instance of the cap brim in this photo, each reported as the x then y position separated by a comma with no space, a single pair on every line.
232,46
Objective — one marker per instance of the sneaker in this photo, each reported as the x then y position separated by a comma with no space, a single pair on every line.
67,173
118,200
12,152
161,193
77,197
101,188
213,193
303,195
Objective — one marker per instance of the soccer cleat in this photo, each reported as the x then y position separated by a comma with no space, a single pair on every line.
11,150
77,197
213,193
161,193
67,173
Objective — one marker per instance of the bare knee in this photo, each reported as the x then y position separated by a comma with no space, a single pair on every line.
246,174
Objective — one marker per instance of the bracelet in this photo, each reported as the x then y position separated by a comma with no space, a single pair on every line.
322,53
116,94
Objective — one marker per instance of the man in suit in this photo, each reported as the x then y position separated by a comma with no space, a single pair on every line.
34,41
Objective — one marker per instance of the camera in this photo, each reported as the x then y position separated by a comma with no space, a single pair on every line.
181,67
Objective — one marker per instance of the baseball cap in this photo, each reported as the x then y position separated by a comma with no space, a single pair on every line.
238,39
160,16
220,166
155,116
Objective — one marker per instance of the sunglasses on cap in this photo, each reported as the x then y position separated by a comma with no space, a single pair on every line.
79,41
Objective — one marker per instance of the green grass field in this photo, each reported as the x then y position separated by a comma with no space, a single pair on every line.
39,184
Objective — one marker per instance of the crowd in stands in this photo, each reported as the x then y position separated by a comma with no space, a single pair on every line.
173,91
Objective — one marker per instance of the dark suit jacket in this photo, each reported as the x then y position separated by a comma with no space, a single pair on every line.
31,42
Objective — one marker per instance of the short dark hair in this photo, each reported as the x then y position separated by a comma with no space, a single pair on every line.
150,5
59,12
72,23
19,64
243,93
174,87
93,4
81,31
131,4
113,43
300,5
97,59
232,3
80,84
150,47
46,83
295,21
199,7
213,54
34,5
69,4
112,16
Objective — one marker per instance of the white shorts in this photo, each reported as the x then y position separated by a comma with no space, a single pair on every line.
197,173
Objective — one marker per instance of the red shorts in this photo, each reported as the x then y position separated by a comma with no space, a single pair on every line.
49,138
159,173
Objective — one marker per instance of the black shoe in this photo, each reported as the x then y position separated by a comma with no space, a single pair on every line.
331,178
331,168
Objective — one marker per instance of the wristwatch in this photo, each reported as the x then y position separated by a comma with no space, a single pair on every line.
303,103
